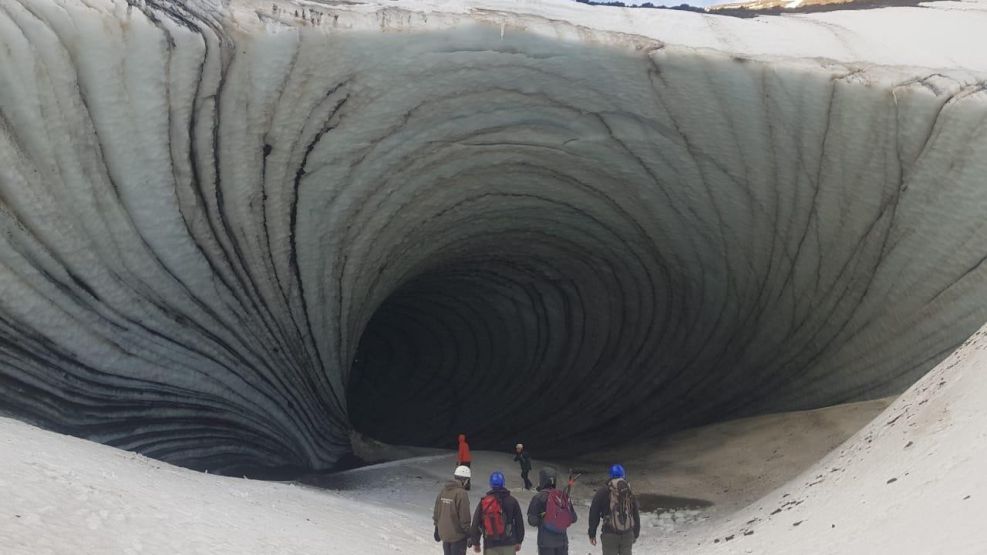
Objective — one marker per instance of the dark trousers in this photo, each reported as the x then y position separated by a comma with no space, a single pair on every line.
524,476
553,551
454,548
617,544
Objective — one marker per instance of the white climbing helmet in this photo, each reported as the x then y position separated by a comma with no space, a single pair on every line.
462,472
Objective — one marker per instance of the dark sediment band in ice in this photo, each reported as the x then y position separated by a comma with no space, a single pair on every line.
226,247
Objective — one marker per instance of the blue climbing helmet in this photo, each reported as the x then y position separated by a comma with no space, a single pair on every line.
497,480
616,471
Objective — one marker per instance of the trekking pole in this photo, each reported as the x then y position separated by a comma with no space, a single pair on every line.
572,479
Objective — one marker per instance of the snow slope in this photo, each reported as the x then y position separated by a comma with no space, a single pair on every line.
912,481
64,495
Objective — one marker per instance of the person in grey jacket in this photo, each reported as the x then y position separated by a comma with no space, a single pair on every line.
451,514
549,542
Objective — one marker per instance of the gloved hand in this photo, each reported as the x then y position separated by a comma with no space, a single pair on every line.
476,548
436,534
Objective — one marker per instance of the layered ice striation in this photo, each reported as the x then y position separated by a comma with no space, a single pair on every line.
233,232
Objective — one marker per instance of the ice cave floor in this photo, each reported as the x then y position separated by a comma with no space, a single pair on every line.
909,481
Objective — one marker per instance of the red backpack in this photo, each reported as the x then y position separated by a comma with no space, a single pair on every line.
493,518
557,515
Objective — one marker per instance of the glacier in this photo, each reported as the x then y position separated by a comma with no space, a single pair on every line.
233,232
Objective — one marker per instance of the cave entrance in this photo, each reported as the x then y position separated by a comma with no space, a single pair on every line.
482,347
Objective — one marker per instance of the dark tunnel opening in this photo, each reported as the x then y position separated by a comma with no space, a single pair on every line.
550,322
502,341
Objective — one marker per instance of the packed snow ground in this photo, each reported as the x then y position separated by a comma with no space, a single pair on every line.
911,481
66,495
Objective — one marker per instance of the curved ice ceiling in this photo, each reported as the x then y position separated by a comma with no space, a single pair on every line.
230,234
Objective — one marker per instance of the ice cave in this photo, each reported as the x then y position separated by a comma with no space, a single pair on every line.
236,232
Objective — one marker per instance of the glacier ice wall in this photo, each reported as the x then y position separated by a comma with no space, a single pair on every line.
231,233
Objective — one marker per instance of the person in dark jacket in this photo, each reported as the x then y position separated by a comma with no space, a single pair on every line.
549,542
521,456
615,542
513,521
451,514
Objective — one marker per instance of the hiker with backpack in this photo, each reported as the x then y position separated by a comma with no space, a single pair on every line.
463,458
451,514
616,506
552,512
498,520
521,456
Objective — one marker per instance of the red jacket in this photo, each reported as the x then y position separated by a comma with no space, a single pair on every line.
464,450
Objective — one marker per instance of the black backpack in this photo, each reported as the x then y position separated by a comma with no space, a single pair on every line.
621,506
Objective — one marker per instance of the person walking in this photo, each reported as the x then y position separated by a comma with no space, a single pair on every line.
451,514
463,458
521,456
498,521
616,506
552,512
